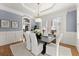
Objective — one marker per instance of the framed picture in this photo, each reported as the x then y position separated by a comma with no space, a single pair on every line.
14,24
5,24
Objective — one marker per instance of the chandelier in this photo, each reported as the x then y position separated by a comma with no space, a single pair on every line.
37,18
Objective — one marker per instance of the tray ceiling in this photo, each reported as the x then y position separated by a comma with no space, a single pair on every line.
44,8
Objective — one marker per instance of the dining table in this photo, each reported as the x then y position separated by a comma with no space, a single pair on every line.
46,40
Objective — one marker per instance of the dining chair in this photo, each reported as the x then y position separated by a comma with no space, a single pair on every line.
58,42
53,49
28,41
45,33
36,48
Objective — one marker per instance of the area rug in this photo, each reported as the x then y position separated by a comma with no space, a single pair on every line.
20,50
64,51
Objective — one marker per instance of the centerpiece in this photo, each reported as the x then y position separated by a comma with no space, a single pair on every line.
38,33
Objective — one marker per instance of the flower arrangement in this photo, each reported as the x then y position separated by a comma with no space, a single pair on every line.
38,33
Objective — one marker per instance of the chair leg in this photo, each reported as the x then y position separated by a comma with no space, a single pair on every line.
44,48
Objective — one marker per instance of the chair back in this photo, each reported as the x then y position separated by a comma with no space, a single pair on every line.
45,33
58,42
58,39
34,42
28,42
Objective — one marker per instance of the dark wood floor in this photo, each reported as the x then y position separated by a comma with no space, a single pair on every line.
6,51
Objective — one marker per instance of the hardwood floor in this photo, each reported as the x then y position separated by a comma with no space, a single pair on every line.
6,51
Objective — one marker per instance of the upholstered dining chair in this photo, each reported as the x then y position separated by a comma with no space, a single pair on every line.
36,48
28,42
45,34
53,49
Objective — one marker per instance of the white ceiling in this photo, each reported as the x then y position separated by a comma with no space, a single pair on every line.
32,8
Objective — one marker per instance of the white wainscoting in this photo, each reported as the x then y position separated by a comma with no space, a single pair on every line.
10,37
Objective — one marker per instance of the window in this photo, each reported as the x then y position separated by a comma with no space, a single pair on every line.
71,21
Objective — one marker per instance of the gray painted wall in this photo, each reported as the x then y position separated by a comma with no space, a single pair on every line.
71,21
4,15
